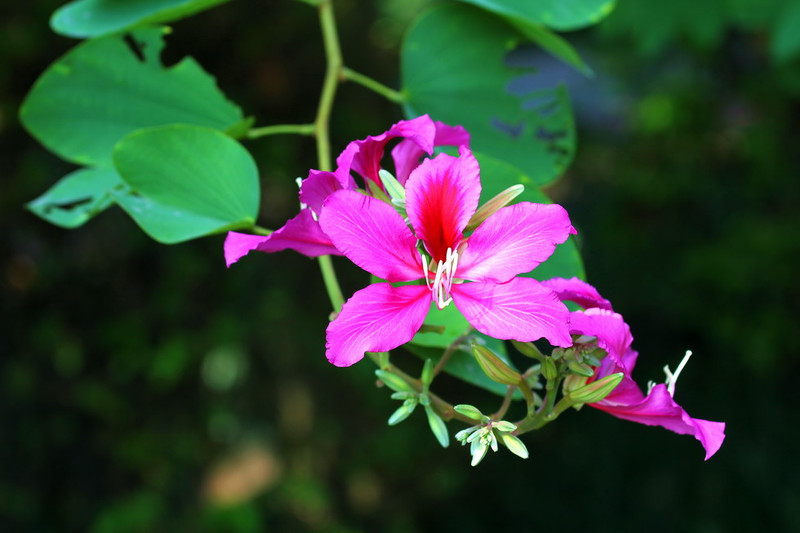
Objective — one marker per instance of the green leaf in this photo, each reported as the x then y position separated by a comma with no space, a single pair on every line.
562,15
552,43
785,43
77,197
497,176
186,181
453,68
454,324
462,363
438,427
94,18
102,90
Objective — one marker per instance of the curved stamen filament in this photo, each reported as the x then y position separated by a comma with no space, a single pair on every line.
443,280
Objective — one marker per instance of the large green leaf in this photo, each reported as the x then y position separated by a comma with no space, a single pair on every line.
93,18
497,176
106,88
562,15
77,197
453,68
186,181
785,43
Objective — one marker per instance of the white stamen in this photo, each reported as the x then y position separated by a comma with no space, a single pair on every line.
299,182
672,379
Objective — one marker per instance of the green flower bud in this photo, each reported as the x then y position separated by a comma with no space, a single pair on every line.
597,390
427,373
549,370
504,426
392,186
403,412
495,204
438,427
394,382
470,412
515,446
494,367
528,349
581,369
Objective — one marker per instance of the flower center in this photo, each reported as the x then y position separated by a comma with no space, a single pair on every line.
443,278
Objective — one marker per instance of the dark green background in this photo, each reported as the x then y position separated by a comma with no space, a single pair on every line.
133,373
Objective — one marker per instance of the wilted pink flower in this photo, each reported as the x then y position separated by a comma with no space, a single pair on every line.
626,401
302,233
441,196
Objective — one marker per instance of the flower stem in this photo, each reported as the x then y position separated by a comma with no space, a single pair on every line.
331,283
278,129
365,81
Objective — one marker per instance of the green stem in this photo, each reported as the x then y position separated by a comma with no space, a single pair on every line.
278,129
448,352
390,94
505,405
333,74
331,283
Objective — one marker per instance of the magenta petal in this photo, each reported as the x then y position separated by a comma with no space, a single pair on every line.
514,240
377,318
372,235
301,234
659,409
613,334
521,309
441,196
578,291
367,159
316,188
407,153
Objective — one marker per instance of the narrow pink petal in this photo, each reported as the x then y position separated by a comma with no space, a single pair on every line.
317,187
377,318
660,409
372,235
407,153
521,309
441,196
301,233
367,159
613,334
514,240
578,291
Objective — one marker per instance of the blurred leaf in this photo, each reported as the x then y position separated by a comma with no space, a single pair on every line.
497,176
94,18
138,512
785,43
454,68
462,363
77,197
552,43
104,89
186,181
562,15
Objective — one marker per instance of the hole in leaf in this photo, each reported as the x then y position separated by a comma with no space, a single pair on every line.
512,130
137,47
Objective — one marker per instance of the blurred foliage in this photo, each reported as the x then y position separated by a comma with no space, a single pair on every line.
147,388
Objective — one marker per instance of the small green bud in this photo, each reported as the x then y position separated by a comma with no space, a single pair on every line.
463,435
549,370
478,450
393,381
528,349
376,191
494,367
403,395
515,446
573,382
438,427
392,186
597,390
581,369
402,412
504,426
427,373
470,412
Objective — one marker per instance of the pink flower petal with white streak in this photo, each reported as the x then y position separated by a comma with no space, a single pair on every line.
377,318
441,196
660,409
514,240
578,291
301,233
521,309
372,235
316,188
407,153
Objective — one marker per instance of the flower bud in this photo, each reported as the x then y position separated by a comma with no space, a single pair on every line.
514,445
597,390
392,186
581,369
494,205
494,367
528,349
438,427
549,370
470,412
394,382
402,412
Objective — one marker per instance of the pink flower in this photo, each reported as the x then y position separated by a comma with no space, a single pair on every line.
441,196
302,233
627,401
